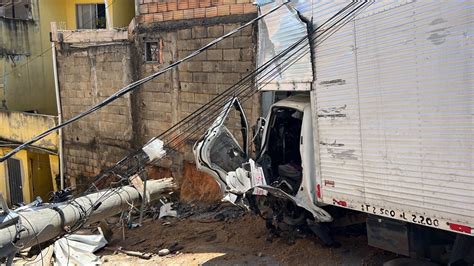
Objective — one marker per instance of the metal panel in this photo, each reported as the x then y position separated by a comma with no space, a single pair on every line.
388,234
278,31
14,181
394,101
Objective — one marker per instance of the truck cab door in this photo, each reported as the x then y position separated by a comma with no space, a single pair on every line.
218,152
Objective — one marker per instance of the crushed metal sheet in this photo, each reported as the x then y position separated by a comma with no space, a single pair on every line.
277,32
77,249
166,210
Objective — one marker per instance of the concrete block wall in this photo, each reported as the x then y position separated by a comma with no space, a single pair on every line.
90,72
87,76
179,93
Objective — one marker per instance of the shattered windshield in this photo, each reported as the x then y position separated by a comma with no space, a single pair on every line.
226,153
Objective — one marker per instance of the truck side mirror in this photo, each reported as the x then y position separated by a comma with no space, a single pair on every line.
257,131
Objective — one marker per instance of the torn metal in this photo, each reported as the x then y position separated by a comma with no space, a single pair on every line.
78,249
277,32
241,178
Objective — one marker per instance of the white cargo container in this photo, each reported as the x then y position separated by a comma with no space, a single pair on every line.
401,78
381,120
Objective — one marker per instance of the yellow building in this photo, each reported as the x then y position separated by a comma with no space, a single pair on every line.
27,87
31,172
26,71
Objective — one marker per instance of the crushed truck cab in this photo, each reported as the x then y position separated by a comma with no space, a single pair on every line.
378,123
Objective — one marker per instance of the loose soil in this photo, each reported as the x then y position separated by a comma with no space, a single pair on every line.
204,240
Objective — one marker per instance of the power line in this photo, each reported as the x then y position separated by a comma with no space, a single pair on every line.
134,85
246,92
194,123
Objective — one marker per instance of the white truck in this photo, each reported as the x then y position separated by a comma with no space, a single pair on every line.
379,120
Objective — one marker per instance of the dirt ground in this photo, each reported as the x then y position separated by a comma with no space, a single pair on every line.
202,239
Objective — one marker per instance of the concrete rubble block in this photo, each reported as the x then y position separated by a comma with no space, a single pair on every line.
163,252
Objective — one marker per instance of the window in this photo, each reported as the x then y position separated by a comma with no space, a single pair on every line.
153,52
91,16
17,9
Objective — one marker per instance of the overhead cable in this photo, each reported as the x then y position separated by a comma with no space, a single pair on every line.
177,135
134,85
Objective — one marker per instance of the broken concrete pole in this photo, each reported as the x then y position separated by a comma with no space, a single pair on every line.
41,224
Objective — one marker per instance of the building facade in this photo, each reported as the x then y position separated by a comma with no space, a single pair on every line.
27,87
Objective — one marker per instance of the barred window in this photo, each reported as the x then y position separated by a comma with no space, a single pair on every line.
153,51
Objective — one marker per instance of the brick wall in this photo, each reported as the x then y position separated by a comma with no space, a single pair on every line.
166,10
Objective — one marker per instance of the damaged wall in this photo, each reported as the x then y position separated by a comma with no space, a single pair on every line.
89,74
171,97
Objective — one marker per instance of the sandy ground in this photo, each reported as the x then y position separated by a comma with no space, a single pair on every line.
204,240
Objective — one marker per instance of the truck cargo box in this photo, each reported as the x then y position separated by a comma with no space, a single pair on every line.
393,109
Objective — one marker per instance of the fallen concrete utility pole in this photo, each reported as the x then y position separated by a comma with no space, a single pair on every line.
44,223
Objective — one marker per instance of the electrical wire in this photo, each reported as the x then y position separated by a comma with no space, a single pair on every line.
194,119
135,85
35,235
138,158
218,102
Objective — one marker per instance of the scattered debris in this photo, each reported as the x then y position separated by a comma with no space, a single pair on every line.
166,210
163,252
235,241
141,255
77,249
